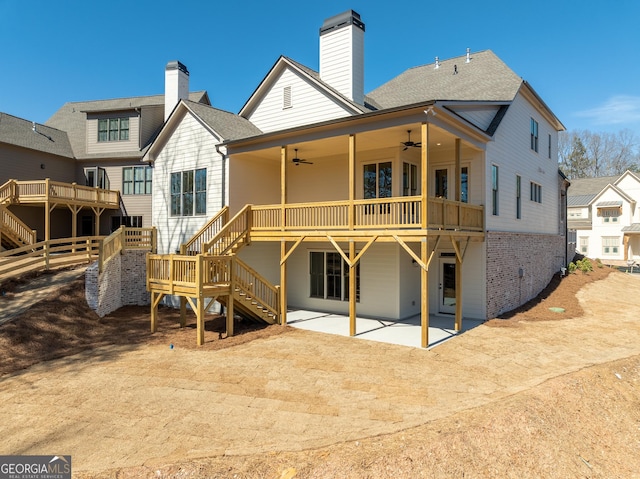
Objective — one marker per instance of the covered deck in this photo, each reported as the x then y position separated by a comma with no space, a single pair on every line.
49,194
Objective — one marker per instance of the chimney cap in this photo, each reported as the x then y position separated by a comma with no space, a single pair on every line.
350,17
176,65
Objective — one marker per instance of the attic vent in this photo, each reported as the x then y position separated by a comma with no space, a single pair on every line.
286,97
437,63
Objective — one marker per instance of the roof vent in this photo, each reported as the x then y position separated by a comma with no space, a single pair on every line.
468,55
437,64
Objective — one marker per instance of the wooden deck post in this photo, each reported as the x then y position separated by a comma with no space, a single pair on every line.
283,282
352,180
200,302
424,295
458,182
283,186
458,323
424,176
424,215
47,213
352,288
232,288
183,311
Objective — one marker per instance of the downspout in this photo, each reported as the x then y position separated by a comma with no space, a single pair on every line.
223,184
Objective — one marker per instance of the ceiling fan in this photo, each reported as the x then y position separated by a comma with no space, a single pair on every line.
296,161
409,143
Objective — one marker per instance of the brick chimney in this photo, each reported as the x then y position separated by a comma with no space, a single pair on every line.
342,54
176,86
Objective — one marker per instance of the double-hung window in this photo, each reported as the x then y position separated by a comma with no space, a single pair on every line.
534,135
610,245
494,190
136,180
329,276
113,129
518,197
189,192
536,192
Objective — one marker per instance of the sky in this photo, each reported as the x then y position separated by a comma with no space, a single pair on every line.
581,56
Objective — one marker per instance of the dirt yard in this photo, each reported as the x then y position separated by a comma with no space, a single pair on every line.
582,424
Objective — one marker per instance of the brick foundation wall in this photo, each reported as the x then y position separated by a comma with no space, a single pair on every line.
122,283
519,266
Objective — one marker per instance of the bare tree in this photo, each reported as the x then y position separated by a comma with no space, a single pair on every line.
584,154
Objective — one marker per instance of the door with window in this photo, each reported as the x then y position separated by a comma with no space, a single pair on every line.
447,286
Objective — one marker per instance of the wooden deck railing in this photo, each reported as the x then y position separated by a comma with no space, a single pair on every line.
204,275
13,226
399,212
125,238
196,244
175,273
251,283
230,234
40,191
47,255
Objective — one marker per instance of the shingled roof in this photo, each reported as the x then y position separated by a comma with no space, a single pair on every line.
26,134
484,78
71,117
584,190
229,125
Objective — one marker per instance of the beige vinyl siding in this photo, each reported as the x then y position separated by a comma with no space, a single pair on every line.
106,147
134,205
481,117
378,282
511,152
473,282
308,105
190,147
264,258
151,120
253,181
23,164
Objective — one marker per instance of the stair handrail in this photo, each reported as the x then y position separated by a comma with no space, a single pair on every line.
223,241
8,191
10,222
257,286
208,231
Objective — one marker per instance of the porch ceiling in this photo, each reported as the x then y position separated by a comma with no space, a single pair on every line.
440,140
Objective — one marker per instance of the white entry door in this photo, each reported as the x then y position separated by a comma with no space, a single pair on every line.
447,286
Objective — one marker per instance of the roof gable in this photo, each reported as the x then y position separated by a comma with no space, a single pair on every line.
608,192
305,74
223,125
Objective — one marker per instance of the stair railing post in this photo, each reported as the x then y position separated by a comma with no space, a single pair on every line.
232,288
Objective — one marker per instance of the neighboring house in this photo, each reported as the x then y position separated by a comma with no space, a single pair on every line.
110,137
31,151
93,143
438,192
604,217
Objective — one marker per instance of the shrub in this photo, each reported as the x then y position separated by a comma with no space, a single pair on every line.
572,267
584,265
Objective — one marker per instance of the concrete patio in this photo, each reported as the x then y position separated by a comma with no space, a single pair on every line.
402,332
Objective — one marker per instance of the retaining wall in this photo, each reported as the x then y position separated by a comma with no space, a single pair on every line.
122,283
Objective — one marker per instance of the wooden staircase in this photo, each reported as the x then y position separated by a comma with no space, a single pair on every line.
253,296
13,232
